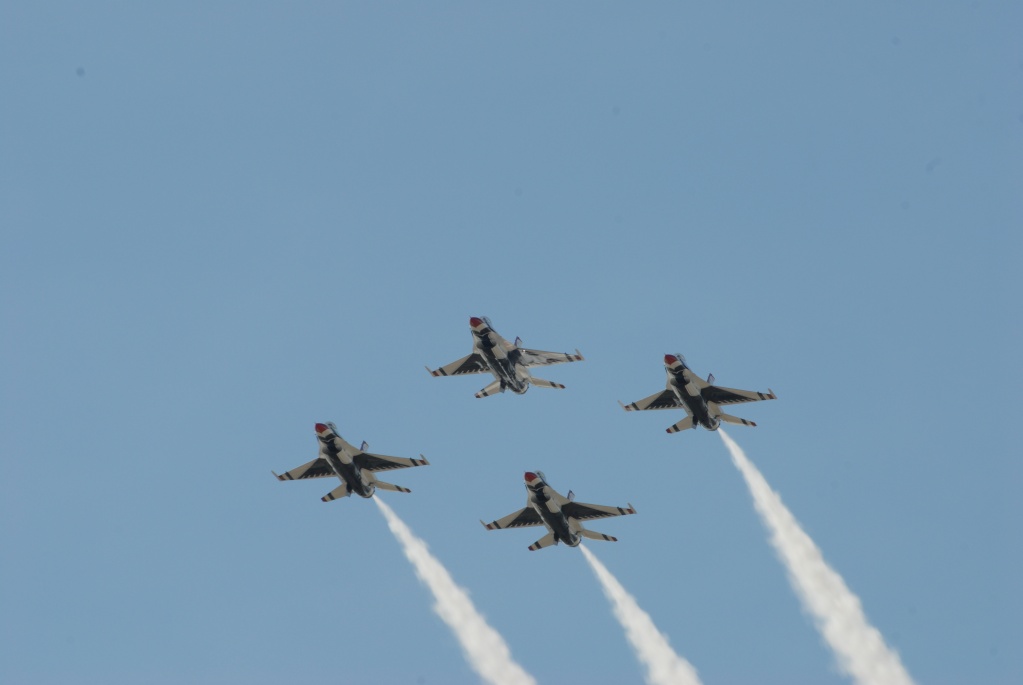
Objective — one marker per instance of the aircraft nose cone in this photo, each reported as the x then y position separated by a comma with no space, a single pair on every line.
670,359
530,476
320,427
475,321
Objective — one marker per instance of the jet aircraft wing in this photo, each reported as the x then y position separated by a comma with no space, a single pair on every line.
518,519
665,399
541,358
472,363
583,512
317,468
720,395
382,462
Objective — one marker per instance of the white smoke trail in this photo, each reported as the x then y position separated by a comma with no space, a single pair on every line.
485,650
663,665
858,646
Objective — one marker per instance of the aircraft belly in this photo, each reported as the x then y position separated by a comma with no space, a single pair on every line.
506,372
697,407
557,523
348,474
702,416
335,465
518,381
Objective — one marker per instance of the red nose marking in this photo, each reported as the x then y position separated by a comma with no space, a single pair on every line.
670,359
475,322
320,428
530,476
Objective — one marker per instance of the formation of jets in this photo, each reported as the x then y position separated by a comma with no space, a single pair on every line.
509,363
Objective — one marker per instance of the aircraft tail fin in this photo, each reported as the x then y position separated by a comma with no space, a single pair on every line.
541,383
381,485
337,493
545,541
685,423
491,389
728,418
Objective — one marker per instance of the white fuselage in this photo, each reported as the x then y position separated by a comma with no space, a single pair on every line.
550,513
503,363
688,393
332,450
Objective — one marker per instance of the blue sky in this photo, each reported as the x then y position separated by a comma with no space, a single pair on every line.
222,223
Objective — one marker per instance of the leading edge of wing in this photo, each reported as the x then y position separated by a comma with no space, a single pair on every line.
382,462
541,358
317,468
721,395
526,516
666,399
471,363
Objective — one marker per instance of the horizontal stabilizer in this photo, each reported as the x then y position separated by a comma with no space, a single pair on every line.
541,383
682,425
728,418
594,535
491,389
337,493
381,485
545,541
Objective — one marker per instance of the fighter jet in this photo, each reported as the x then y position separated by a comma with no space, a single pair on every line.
354,466
561,515
701,399
507,361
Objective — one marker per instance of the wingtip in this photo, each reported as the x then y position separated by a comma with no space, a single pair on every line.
425,461
632,509
580,355
771,393
275,475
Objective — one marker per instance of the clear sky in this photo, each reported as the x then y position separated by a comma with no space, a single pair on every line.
221,223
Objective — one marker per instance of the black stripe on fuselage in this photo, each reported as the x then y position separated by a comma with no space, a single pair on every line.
349,473
503,369
557,523
697,406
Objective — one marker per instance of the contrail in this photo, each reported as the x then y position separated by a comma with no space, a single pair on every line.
858,646
485,650
663,665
